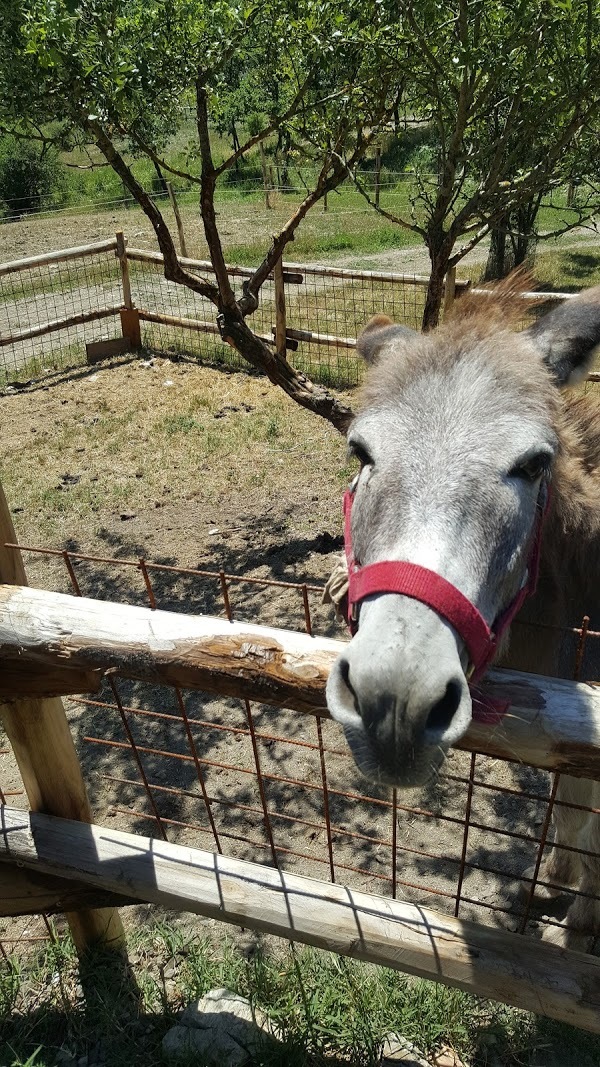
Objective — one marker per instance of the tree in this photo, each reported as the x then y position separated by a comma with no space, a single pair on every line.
29,175
118,74
509,88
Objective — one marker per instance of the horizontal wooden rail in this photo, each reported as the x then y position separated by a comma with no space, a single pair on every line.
311,337
24,892
532,296
47,258
59,324
294,272
146,255
518,970
198,325
53,644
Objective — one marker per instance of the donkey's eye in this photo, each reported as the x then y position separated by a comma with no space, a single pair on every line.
361,453
530,468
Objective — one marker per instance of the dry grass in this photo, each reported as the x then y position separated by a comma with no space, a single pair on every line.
92,446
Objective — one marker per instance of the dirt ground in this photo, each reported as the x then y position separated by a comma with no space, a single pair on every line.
187,466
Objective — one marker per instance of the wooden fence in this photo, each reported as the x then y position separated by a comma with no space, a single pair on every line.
56,644
70,300
54,857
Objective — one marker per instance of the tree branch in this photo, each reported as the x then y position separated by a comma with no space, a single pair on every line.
325,184
412,228
297,386
207,201
268,130
158,161
172,267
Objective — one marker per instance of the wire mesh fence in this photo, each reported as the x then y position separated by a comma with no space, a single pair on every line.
260,783
325,310
50,306
53,307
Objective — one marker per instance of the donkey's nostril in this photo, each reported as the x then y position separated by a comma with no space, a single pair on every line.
345,673
441,715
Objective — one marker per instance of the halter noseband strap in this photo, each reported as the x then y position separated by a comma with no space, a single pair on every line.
410,579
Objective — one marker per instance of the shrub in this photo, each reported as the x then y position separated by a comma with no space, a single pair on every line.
30,176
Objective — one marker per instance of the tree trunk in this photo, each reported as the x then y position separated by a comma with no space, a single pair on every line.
519,226
236,144
235,330
495,266
524,239
435,290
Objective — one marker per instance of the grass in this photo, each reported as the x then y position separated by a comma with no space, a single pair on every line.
127,439
326,1009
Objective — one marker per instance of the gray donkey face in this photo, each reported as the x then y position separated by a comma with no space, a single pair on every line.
455,434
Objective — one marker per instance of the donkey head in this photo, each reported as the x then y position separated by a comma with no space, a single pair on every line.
456,440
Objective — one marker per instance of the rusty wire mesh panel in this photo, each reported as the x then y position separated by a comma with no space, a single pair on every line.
54,293
279,787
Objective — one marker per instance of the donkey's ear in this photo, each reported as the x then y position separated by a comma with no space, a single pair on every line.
568,336
378,332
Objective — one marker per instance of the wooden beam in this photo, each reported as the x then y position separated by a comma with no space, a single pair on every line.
514,969
314,338
280,318
47,258
124,267
53,325
97,351
291,276
449,290
51,643
24,892
188,324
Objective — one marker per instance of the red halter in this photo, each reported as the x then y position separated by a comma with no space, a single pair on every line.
410,579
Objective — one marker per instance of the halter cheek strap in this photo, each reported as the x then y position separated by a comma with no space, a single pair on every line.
412,580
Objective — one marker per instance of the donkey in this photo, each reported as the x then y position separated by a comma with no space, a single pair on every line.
465,438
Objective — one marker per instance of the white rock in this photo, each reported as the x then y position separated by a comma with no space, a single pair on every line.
222,1027
226,1010
397,1049
214,1046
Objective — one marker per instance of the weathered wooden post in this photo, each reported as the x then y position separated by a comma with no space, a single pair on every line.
377,174
43,746
280,317
449,290
265,173
130,319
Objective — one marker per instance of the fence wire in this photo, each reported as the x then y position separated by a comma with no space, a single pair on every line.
51,311
40,307
278,787
332,305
